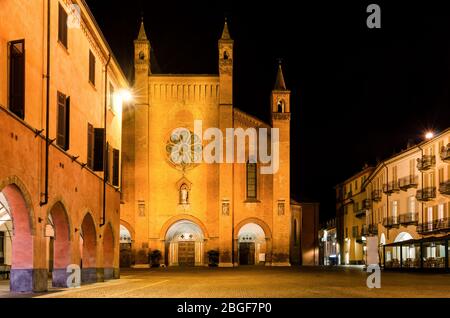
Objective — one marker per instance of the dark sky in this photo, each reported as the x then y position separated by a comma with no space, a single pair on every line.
358,94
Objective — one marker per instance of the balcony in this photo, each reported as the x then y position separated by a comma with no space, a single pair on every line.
441,225
409,218
361,212
444,187
445,153
427,162
391,187
408,182
376,195
391,221
373,229
426,194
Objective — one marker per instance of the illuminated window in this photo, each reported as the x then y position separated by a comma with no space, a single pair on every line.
251,181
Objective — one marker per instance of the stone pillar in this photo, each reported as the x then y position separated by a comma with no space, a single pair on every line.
28,280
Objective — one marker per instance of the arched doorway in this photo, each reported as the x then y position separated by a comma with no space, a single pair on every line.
18,240
125,248
108,252
381,254
252,244
57,232
6,233
88,247
184,244
404,252
403,236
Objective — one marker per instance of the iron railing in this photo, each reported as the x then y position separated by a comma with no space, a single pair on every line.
407,182
426,162
426,194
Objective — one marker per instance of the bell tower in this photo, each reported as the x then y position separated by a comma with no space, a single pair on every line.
142,65
139,127
226,66
226,247
281,117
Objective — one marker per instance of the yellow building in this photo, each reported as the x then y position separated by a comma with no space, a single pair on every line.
411,193
58,77
352,205
405,204
186,210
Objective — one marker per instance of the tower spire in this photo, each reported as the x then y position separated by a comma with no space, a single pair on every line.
225,32
280,84
142,35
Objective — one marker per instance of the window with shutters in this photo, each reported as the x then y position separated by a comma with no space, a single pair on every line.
251,181
62,26
63,121
355,231
116,167
17,78
90,146
441,175
99,135
91,68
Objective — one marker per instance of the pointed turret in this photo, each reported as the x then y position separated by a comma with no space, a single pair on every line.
226,66
225,32
142,35
280,94
280,85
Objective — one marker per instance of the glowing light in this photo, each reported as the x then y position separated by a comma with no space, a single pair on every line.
429,135
126,95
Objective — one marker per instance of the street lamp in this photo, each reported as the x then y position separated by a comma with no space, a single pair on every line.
126,95
429,135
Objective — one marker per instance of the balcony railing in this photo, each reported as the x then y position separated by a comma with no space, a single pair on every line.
373,229
391,221
426,162
445,153
407,182
441,225
391,187
426,194
359,213
365,205
409,218
376,195
444,187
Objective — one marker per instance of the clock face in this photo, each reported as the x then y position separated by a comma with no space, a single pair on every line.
184,149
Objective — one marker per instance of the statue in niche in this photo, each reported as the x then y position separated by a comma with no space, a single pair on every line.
184,194
225,208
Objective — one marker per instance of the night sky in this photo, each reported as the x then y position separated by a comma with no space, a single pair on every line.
358,94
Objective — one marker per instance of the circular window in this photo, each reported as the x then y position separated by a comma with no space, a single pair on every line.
184,149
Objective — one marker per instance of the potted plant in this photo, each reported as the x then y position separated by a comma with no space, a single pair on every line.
213,257
155,256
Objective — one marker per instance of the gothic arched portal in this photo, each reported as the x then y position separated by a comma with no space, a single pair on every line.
184,244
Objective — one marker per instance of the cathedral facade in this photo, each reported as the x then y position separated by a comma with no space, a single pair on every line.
187,209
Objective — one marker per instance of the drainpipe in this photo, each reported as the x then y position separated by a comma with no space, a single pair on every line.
421,182
47,109
387,197
105,152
